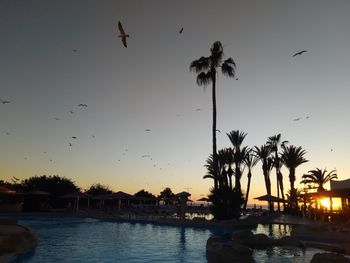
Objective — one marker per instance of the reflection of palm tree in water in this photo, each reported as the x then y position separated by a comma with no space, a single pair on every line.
182,245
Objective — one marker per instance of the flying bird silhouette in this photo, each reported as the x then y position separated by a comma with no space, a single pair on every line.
71,112
307,117
148,130
198,109
70,144
93,136
122,34
57,119
74,137
82,105
75,50
299,53
4,101
181,30
297,119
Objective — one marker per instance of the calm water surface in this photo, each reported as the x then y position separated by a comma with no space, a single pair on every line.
87,240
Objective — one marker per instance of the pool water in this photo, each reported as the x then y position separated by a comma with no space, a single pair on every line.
71,239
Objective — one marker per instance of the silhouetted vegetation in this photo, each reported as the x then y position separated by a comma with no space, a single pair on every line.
53,184
207,69
98,189
318,178
144,194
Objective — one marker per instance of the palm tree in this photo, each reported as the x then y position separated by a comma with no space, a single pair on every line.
292,157
319,177
273,142
263,154
236,138
207,68
209,164
250,160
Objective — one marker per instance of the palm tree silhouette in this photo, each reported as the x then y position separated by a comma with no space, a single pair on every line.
236,138
263,153
250,161
206,69
319,177
273,142
292,157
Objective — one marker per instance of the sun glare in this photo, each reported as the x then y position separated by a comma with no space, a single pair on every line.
325,202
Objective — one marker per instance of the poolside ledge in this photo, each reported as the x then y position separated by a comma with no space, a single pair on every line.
15,240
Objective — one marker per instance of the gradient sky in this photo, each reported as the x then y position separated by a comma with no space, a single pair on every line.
149,86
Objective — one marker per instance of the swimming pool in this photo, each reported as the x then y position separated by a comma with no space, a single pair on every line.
74,239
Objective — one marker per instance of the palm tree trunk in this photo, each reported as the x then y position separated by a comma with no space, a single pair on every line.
238,179
292,189
277,180
215,157
248,188
280,178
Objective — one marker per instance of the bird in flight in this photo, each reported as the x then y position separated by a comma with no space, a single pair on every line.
307,117
93,136
82,105
181,30
148,130
75,50
297,119
57,119
122,34
74,137
198,109
299,53
70,144
4,101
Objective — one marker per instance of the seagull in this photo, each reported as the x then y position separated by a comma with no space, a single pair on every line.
181,30
122,34
148,130
297,119
57,119
299,53
4,101
74,137
82,105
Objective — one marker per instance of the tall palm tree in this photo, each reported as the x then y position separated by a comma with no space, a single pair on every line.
236,138
209,164
206,69
250,160
292,157
319,177
273,142
263,153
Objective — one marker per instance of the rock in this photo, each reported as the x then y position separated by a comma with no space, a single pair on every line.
288,241
329,257
325,246
247,238
219,250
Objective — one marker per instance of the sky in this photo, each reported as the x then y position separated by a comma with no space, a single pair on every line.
56,55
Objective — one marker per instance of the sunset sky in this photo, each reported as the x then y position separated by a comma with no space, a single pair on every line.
55,55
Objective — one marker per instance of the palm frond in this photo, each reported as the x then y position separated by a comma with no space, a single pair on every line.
204,78
228,68
217,54
201,64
